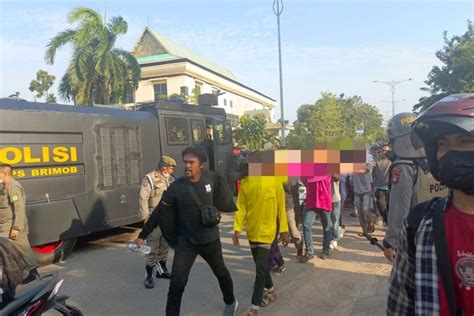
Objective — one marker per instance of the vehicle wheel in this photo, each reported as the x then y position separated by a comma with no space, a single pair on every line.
74,310
53,252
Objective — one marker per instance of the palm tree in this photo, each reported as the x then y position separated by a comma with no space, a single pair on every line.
97,72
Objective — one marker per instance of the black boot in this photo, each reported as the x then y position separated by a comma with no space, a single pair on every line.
33,275
149,283
162,271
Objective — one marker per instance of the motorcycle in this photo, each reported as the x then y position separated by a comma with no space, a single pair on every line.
39,296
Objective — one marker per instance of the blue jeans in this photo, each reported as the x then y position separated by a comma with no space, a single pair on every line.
335,217
327,229
308,220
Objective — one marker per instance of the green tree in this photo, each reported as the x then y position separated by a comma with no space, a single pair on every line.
51,98
97,72
456,75
193,98
251,132
334,118
44,81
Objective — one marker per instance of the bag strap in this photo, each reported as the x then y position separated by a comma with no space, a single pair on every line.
414,219
194,195
443,259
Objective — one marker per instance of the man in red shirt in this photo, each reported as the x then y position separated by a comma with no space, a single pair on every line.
433,271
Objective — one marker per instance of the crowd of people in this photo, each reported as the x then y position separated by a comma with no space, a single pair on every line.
419,185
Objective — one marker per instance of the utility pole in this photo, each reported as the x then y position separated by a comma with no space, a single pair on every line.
392,85
277,10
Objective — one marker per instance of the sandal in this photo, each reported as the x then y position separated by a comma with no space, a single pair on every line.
253,312
268,298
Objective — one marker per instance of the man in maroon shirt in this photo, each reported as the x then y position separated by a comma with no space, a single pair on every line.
433,272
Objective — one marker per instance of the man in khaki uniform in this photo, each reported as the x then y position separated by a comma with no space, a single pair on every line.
153,186
13,221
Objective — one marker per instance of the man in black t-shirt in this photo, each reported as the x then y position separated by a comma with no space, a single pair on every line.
180,220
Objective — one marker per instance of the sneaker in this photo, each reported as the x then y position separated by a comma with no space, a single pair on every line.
333,244
324,256
231,309
342,231
279,270
162,271
306,257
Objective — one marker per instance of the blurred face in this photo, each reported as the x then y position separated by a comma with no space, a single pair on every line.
192,166
170,169
455,142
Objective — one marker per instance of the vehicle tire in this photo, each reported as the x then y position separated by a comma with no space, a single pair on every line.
53,252
74,311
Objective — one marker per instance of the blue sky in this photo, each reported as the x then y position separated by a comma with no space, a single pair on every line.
335,46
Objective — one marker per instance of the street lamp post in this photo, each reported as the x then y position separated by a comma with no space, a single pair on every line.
392,85
277,10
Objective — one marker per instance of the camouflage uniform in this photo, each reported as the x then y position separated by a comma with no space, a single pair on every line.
153,186
13,217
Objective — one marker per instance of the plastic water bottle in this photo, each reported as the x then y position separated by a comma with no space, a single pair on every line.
144,249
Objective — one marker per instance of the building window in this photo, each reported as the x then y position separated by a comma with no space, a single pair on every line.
184,91
225,102
233,119
198,88
231,104
161,91
177,131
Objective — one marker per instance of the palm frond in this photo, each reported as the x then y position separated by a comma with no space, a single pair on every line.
57,42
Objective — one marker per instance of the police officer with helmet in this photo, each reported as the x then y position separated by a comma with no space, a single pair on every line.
13,221
153,186
437,239
410,180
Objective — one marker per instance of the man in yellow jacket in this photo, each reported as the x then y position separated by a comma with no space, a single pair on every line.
260,204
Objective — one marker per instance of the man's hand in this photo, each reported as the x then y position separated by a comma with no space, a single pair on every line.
235,239
14,233
389,253
285,239
139,242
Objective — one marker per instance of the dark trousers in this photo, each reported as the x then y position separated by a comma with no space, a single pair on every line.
263,279
381,197
184,257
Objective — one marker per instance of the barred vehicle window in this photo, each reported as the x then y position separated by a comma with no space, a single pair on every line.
197,127
177,131
118,156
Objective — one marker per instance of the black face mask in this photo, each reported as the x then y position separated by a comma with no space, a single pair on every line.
456,171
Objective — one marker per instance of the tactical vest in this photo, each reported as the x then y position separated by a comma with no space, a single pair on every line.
158,185
425,185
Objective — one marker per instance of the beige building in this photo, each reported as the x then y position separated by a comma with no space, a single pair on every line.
170,69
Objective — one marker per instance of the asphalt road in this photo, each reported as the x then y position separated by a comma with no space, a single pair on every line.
103,277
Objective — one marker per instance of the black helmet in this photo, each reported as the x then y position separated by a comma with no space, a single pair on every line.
451,115
398,132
